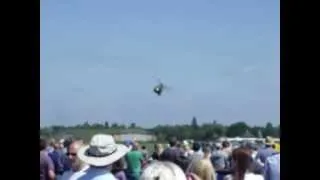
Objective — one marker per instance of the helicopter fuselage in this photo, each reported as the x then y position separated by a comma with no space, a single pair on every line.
158,89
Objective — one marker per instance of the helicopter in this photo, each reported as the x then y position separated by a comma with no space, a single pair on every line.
159,88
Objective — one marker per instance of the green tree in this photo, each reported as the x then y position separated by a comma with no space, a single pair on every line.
276,131
207,131
256,131
133,125
86,125
114,125
269,130
122,126
106,125
194,123
97,126
237,129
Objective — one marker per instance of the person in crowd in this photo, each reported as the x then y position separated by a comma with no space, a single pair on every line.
118,169
100,154
186,149
158,149
256,167
171,153
64,150
77,166
163,170
195,157
61,146
265,152
66,143
175,154
277,147
197,148
145,152
227,148
46,164
58,158
254,150
192,176
203,168
272,167
50,146
219,158
242,161
134,160
207,153
129,143
179,145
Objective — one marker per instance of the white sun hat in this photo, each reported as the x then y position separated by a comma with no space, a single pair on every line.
102,151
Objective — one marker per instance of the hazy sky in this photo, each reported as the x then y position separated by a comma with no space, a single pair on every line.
101,58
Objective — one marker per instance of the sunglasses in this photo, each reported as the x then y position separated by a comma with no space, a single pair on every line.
71,154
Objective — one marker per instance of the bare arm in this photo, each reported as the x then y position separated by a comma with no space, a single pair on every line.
51,175
50,169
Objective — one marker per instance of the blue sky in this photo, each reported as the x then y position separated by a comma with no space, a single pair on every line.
100,60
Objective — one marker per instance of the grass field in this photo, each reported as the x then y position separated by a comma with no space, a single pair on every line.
149,146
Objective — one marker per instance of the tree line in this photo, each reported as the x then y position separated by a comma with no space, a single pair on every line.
205,131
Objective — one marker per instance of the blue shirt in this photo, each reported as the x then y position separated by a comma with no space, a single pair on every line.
264,153
94,174
57,161
272,168
219,159
60,161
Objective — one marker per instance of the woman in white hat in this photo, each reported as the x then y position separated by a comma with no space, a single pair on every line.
101,152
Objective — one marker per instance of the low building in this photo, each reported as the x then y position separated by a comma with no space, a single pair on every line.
139,135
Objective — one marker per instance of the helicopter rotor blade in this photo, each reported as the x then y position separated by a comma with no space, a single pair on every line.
157,79
167,88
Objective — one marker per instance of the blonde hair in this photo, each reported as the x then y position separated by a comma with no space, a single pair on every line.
161,170
204,169
158,148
